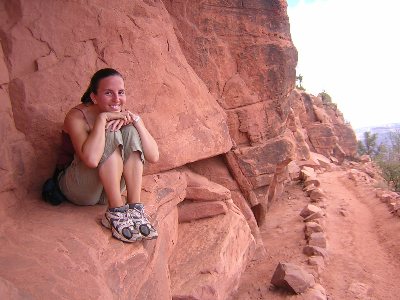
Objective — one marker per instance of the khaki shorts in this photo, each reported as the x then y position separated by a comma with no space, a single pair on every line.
81,184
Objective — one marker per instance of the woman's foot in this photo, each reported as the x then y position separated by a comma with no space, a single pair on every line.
122,226
137,214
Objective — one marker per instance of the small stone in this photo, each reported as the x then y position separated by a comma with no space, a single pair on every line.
292,278
316,261
394,206
314,251
309,188
312,227
386,198
317,239
309,210
365,158
317,195
307,172
314,216
312,180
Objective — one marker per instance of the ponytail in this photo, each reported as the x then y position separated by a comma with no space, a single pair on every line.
85,99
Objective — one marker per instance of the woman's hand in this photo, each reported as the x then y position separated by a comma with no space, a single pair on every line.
115,125
117,115
132,117
116,120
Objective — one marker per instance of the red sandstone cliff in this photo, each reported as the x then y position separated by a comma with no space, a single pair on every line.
213,81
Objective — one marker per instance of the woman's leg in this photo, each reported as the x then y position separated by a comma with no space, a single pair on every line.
133,163
110,173
132,172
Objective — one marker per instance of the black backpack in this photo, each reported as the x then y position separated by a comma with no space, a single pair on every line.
51,192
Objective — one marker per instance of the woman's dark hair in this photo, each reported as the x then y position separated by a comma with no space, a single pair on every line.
94,82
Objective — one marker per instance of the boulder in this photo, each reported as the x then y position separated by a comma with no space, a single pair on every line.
307,172
317,261
317,195
210,256
317,239
309,188
199,188
321,159
292,278
394,206
193,210
312,227
309,209
312,180
389,197
322,138
315,251
315,216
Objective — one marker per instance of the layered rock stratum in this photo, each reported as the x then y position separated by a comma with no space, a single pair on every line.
214,82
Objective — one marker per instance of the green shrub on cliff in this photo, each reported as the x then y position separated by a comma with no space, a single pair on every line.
299,82
386,155
326,98
369,146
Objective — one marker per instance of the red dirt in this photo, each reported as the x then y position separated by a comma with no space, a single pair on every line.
363,244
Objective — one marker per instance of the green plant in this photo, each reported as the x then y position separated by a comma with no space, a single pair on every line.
369,145
326,98
388,159
391,173
299,82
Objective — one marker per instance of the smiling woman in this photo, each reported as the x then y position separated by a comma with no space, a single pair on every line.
103,151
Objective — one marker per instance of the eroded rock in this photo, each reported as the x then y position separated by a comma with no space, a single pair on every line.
317,195
310,209
314,251
311,227
190,211
210,256
292,278
317,239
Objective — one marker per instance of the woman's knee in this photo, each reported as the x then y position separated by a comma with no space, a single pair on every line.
113,158
129,132
132,142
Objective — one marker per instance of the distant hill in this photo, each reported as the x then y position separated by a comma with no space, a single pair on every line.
382,131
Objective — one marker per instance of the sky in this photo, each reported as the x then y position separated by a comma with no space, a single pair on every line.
350,49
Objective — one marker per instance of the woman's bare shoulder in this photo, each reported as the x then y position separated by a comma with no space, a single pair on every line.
76,116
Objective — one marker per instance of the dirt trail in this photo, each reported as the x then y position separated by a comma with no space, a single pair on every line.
363,244
363,262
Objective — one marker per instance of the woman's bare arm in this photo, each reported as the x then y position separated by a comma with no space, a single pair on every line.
89,146
149,144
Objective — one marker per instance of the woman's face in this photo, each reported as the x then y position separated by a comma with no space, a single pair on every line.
110,94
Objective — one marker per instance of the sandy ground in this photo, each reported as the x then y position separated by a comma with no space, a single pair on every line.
363,244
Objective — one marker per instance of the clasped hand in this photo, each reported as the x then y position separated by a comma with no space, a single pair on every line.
116,120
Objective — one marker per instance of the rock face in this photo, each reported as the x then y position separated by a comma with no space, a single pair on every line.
213,81
243,52
323,126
